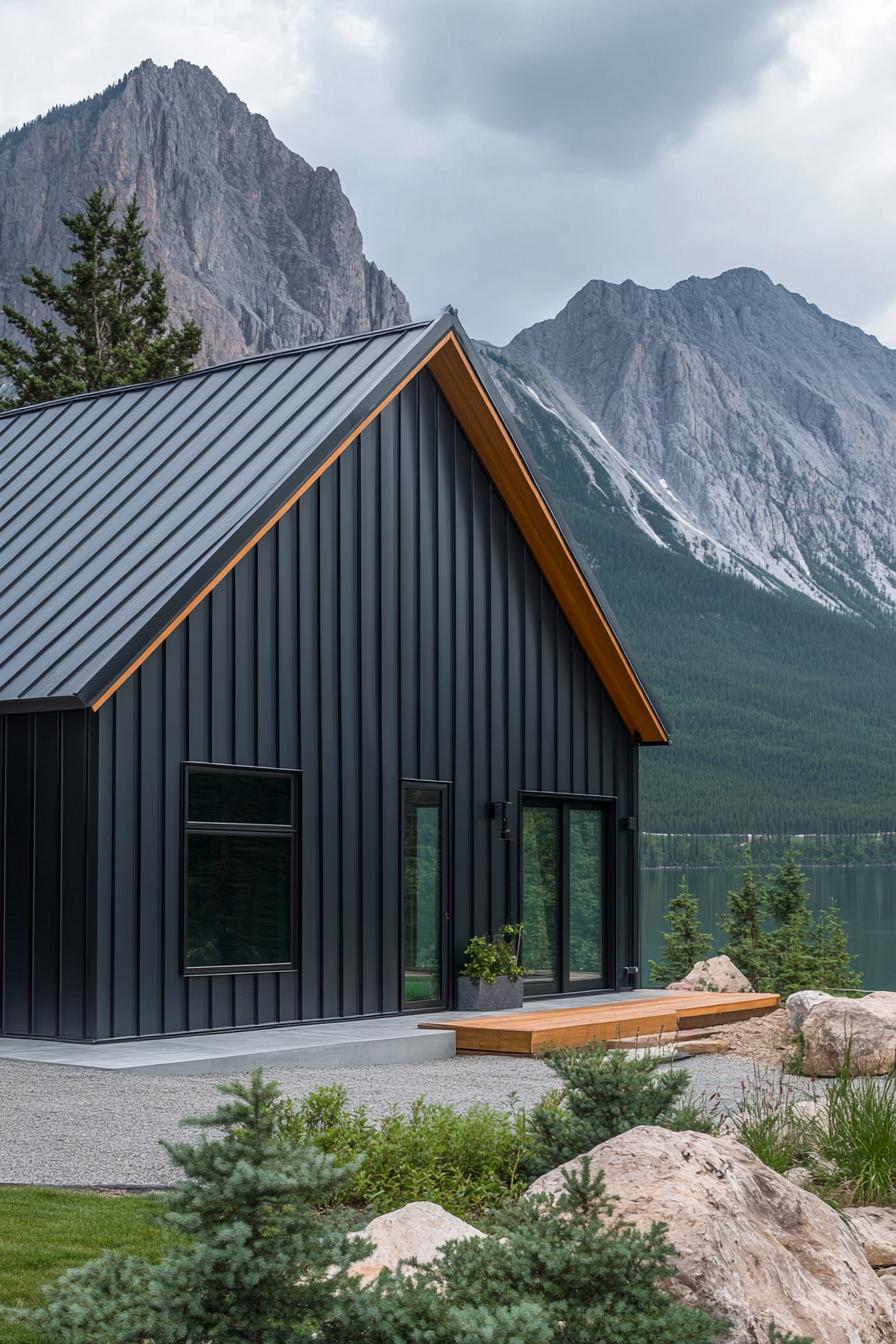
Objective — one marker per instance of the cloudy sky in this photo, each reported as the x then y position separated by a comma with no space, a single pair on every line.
500,153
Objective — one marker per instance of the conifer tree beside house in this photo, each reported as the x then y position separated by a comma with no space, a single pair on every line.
251,1259
109,323
747,939
787,895
686,942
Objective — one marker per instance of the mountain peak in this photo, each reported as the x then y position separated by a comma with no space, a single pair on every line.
260,248
749,414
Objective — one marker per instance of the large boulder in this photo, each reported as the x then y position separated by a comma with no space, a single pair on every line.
416,1231
717,973
753,1247
876,1229
800,1005
861,1032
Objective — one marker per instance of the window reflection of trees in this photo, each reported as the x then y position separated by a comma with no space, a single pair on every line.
238,900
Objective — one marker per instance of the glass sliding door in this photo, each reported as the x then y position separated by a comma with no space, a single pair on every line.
423,895
563,886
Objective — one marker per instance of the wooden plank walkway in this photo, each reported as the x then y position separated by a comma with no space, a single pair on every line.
528,1033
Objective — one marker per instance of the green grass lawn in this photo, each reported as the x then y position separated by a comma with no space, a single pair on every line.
43,1232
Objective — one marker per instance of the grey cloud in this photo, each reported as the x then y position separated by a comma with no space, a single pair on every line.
615,82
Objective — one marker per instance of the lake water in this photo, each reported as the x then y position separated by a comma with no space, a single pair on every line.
866,897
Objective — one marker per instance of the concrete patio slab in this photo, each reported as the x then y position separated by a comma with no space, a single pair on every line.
324,1045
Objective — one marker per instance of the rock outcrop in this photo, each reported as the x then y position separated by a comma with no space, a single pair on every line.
860,1032
263,250
876,1230
416,1231
743,414
753,1247
800,1005
716,973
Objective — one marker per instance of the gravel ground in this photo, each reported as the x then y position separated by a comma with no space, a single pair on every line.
67,1126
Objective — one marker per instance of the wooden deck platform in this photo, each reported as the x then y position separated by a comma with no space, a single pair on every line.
528,1033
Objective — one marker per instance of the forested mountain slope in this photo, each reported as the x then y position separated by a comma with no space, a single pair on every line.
782,712
766,428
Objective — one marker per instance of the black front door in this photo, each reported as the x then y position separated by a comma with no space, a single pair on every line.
424,895
564,871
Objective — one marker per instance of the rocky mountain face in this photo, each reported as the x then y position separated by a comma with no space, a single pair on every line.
263,250
730,418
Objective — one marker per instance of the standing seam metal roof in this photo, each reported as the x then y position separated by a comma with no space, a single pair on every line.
111,503
118,507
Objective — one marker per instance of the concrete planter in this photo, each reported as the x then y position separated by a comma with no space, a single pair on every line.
475,996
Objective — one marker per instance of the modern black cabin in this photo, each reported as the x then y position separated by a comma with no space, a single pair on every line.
302,683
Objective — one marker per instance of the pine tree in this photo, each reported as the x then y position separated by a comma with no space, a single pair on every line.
109,324
686,942
786,893
747,941
253,1260
835,965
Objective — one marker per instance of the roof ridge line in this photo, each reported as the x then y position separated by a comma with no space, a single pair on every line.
216,368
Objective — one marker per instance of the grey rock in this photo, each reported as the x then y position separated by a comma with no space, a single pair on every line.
263,250
753,1248
734,416
856,1033
875,1228
800,1005
416,1231
800,1176
716,974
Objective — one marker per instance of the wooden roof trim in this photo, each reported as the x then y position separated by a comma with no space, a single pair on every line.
503,461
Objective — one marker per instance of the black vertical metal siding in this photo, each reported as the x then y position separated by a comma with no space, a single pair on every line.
393,625
45,874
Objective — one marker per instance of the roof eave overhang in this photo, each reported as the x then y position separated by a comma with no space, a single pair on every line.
44,705
445,351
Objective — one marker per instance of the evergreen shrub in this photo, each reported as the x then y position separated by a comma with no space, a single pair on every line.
686,942
561,1270
604,1093
252,1260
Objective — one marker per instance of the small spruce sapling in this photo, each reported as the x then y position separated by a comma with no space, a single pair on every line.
252,1260
685,941
604,1093
562,1270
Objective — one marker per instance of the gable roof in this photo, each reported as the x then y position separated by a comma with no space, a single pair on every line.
120,510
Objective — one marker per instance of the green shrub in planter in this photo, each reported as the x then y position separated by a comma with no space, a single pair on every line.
486,959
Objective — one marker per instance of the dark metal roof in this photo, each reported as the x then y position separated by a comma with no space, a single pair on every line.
118,507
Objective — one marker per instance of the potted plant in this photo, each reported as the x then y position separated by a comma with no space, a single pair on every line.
492,977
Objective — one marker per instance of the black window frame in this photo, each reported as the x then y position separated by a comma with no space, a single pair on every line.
189,828
608,805
443,788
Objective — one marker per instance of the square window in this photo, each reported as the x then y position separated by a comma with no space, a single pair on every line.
239,869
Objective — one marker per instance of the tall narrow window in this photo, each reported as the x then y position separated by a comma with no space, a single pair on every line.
240,847
423,905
